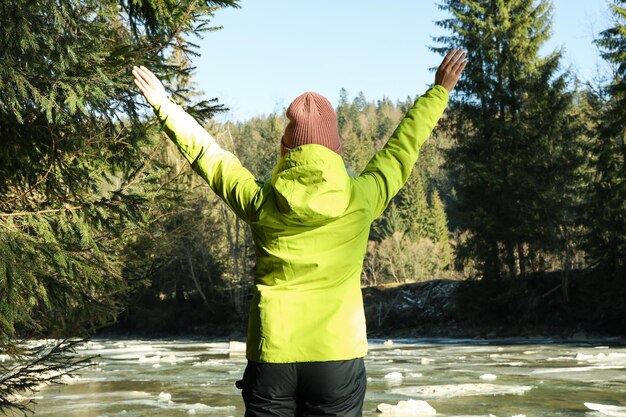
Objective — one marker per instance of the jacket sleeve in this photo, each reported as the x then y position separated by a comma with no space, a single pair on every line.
220,169
390,167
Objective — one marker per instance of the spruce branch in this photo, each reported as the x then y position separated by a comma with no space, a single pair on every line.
38,366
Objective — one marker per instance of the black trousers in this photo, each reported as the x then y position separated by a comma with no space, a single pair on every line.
308,389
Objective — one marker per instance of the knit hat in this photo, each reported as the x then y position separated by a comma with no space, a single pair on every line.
312,120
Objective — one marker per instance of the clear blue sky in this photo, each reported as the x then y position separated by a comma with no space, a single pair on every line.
271,51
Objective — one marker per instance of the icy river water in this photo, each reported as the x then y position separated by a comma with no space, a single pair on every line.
503,378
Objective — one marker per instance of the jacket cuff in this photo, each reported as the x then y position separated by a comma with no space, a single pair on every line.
441,92
161,110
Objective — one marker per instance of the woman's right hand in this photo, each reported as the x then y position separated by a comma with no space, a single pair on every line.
450,70
150,86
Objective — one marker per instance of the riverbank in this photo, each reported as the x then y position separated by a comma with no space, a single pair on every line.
534,307
592,307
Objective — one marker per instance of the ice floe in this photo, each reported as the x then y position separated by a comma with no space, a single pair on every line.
612,358
488,377
149,359
459,390
169,359
393,375
608,410
70,379
416,408
514,363
574,369
236,348
165,397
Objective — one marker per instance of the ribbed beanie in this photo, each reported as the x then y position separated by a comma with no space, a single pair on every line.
312,120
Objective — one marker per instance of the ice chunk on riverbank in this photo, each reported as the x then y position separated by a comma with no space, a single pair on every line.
608,410
393,375
488,377
411,407
460,390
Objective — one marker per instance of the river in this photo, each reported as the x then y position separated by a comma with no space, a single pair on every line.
502,378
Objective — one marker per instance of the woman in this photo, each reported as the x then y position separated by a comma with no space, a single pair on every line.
310,223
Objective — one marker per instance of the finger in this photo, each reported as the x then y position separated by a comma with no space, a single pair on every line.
142,88
140,81
459,53
459,60
461,68
143,75
139,74
153,78
448,57
146,93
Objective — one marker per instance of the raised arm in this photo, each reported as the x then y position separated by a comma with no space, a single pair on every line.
390,167
220,168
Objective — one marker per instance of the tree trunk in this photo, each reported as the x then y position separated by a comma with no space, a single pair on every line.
510,258
194,278
492,263
522,259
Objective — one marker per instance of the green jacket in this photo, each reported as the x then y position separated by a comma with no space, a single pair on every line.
310,225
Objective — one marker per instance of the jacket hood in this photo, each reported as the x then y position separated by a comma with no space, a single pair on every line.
311,184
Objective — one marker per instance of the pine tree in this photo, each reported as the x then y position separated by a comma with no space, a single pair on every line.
606,209
438,221
513,129
392,221
439,233
412,202
76,153
358,147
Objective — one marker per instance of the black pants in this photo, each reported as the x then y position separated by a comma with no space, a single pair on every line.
308,389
